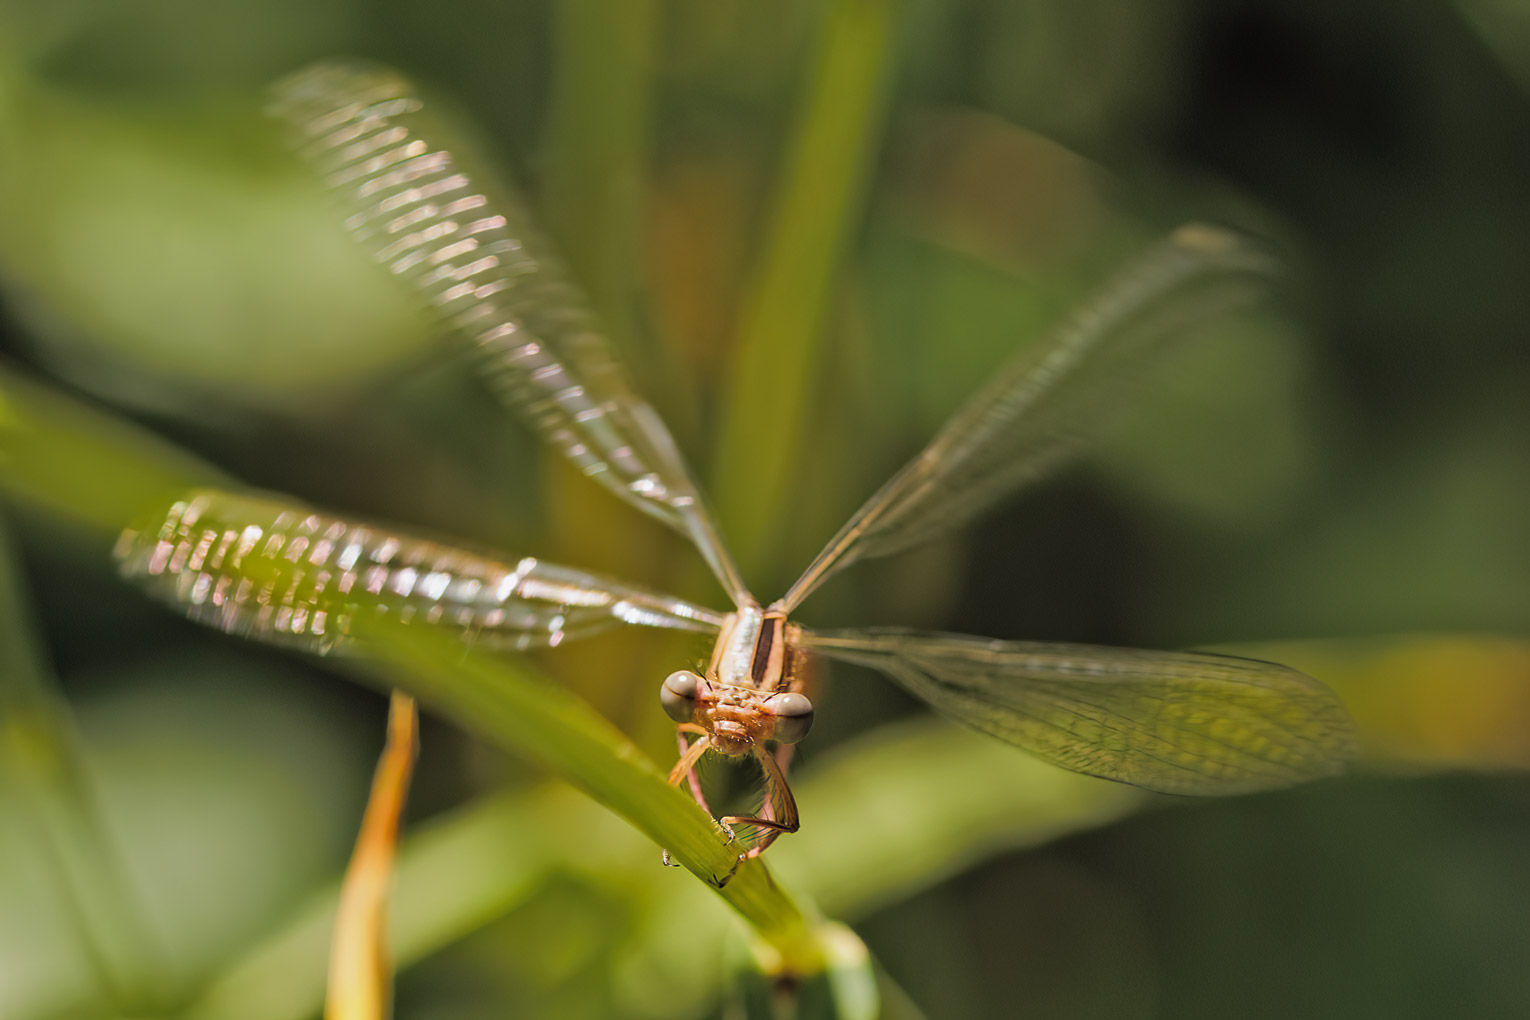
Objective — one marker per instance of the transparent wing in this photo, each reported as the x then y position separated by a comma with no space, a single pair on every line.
1177,722
1042,404
283,573
776,813
476,258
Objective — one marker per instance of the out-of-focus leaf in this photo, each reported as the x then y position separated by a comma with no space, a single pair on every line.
914,803
1222,436
151,45
851,978
82,466
1069,68
228,795
453,877
1425,700
42,764
999,192
1504,27
883,819
996,231
172,261
1426,535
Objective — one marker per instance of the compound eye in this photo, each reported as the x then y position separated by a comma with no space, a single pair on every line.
794,716
678,695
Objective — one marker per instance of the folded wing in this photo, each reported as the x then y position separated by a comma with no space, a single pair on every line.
1051,397
473,254
1176,722
283,573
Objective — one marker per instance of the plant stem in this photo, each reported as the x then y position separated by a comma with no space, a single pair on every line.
822,191
40,757
83,467
532,716
459,873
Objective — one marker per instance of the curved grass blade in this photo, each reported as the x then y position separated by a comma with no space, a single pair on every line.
846,989
1175,722
474,256
283,573
42,762
198,550
460,872
81,466
547,723
1048,400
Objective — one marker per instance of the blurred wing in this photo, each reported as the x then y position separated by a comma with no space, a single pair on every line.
1043,403
1176,722
283,573
476,258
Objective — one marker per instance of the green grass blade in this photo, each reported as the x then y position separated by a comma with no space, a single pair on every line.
99,474
41,761
846,990
823,188
82,466
530,715
909,805
884,820
453,877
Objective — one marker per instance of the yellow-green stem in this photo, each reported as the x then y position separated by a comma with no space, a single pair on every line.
823,188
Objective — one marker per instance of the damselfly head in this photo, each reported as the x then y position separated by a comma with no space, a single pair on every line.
736,719
793,713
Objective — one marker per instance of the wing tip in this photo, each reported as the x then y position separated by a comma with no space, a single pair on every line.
1225,247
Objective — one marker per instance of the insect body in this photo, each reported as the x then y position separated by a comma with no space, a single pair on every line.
751,693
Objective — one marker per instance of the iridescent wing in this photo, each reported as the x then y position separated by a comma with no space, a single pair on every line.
1040,406
285,574
474,256
1176,722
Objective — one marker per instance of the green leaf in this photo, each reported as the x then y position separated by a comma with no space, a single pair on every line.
532,716
82,466
41,761
895,812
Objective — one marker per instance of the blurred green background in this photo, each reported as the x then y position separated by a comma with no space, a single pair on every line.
1340,481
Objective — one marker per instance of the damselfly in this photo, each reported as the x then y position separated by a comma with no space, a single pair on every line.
1179,722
